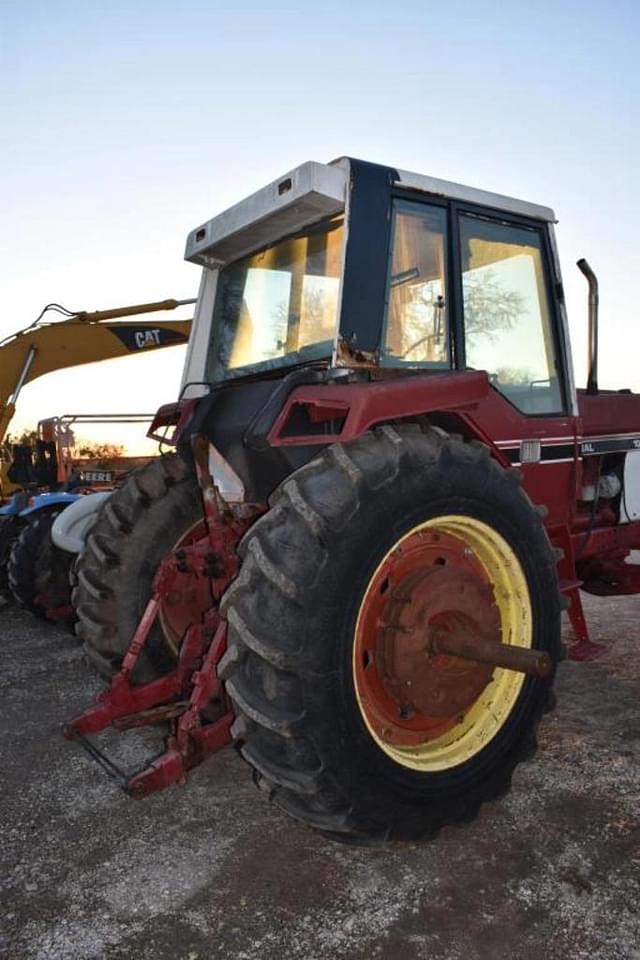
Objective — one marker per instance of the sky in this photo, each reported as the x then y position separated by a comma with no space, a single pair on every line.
126,124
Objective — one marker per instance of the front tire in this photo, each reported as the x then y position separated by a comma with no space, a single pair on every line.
52,580
315,691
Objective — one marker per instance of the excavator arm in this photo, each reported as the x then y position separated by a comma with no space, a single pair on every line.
79,339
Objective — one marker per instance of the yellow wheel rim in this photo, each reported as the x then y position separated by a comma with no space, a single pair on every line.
473,553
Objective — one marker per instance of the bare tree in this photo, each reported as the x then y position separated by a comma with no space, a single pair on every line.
97,450
489,308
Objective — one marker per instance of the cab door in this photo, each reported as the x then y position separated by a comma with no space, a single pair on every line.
511,327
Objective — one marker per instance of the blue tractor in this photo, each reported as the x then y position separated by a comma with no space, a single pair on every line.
32,570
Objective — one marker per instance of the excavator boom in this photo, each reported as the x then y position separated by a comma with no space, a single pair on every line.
79,339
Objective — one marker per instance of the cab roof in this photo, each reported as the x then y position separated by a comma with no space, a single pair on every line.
309,193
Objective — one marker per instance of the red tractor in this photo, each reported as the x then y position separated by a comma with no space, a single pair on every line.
385,489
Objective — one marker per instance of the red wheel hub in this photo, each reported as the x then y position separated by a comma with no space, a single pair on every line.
190,593
431,584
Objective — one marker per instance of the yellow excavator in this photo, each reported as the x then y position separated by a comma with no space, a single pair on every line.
43,347
78,338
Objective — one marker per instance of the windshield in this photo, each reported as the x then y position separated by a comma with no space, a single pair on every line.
278,307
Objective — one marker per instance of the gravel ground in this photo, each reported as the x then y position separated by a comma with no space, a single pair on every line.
211,870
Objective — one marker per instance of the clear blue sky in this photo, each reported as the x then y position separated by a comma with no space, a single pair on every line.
127,124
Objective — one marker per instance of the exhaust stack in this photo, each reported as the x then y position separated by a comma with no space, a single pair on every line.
592,280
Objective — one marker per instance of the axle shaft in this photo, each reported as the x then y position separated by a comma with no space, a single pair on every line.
470,645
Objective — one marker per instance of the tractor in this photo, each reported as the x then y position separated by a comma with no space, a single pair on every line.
384,489
37,572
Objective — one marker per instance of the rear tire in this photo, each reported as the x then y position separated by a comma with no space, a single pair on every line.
28,558
293,615
137,526
10,529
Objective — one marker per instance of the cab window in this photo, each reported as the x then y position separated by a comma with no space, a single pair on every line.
416,323
507,314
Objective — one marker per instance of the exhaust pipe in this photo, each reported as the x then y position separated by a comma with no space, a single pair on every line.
592,280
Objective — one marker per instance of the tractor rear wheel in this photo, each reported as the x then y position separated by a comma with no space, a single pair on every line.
351,721
10,529
155,511
27,560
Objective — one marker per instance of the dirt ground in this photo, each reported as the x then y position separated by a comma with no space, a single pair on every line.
211,870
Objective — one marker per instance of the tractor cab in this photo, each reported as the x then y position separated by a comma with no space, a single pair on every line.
352,265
